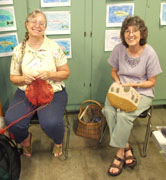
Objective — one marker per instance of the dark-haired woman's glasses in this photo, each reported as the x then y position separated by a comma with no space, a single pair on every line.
134,31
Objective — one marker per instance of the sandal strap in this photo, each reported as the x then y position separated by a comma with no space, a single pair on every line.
129,149
119,159
118,166
130,158
115,166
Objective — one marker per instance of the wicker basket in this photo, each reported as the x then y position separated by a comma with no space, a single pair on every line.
90,120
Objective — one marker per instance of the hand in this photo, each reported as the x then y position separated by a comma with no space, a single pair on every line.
118,82
44,75
28,78
128,84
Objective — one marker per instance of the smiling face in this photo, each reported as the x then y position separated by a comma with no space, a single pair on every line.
133,30
132,36
36,25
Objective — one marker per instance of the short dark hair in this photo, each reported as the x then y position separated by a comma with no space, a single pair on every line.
139,23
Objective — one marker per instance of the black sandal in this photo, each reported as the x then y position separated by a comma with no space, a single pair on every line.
131,157
119,167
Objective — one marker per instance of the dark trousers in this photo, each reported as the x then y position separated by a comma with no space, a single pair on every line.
50,117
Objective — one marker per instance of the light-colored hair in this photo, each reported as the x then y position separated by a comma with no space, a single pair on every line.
26,37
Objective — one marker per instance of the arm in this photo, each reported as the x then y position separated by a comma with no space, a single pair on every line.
150,82
115,76
21,80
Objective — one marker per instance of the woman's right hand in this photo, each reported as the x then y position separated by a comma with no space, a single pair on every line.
28,78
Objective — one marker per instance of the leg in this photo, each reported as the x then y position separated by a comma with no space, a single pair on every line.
18,108
120,124
117,164
121,132
110,114
51,120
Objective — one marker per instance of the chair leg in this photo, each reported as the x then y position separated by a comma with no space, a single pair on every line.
147,135
103,133
68,136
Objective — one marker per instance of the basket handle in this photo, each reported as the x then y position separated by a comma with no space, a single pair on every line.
88,101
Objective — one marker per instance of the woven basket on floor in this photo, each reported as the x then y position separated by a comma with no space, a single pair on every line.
90,120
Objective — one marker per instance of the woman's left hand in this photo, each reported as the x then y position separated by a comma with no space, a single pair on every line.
128,84
44,75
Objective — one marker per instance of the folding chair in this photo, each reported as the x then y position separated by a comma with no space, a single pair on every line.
35,120
147,113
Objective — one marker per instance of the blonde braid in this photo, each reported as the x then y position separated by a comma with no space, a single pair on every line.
23,45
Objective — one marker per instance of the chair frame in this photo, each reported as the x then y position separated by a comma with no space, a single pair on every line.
148,113
35,120
144,114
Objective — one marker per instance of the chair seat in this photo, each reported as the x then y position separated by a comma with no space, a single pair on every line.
144,114
34,119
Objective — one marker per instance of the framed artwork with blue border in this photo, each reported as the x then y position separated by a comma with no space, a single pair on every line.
7,19
116,13
7,43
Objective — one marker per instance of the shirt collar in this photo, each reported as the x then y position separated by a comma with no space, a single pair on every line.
42,48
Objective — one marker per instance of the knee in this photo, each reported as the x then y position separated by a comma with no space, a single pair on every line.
53,123
123,118
8,119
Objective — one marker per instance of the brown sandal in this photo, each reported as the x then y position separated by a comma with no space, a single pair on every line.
131,157
119,167
57,150
27,150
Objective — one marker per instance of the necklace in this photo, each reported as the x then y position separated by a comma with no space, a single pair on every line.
132,61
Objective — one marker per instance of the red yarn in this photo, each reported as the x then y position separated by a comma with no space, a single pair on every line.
39,92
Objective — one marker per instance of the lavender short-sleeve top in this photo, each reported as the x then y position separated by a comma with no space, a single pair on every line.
137,69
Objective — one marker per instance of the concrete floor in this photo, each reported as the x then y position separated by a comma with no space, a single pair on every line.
88,160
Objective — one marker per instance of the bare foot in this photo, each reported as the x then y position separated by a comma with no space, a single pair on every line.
26,144
57,150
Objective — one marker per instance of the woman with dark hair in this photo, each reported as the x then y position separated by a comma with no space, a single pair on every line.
134,63
38,59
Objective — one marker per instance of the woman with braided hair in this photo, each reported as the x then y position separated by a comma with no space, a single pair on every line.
38,64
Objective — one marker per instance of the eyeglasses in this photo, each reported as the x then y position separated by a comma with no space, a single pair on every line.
40,23
135,31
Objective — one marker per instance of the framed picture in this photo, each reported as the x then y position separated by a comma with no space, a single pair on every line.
163,14
54,3
7,19
65,45
116,13
7,43
58,22
6,2
112,38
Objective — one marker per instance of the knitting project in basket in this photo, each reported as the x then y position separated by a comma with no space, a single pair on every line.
124,98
